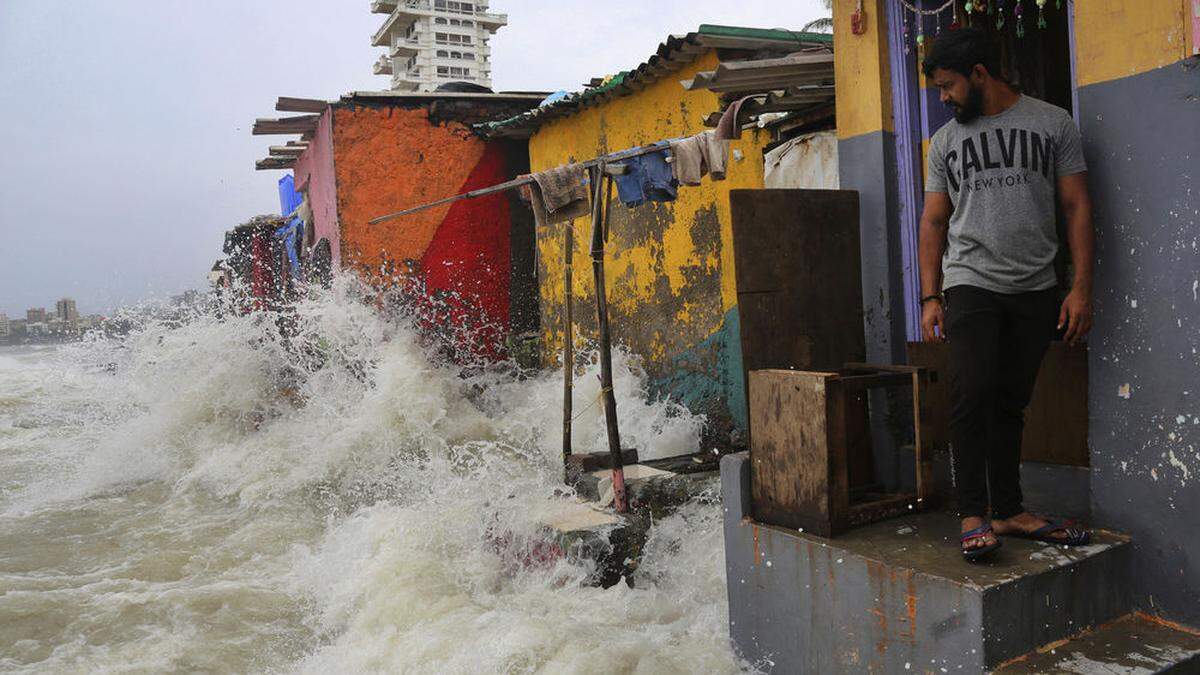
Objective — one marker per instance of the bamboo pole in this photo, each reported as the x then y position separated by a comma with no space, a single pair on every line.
601,199
568,345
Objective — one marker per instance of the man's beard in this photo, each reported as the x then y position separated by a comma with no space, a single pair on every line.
971,109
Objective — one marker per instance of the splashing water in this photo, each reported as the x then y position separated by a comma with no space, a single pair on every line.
166,503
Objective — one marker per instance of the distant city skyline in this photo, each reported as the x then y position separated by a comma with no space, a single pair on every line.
64,307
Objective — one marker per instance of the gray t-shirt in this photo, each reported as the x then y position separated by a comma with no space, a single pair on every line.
1000,172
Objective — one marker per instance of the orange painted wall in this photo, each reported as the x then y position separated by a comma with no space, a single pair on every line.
388,159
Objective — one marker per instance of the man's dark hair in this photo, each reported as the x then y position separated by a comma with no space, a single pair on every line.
960,50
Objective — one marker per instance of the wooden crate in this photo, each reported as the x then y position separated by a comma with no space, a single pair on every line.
802,428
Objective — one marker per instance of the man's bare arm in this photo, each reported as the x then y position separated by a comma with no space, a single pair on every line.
935,221
1076,312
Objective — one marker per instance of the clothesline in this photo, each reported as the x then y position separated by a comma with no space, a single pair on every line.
629,153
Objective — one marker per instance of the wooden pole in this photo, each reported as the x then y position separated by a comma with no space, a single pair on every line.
568,345
600,202
523,180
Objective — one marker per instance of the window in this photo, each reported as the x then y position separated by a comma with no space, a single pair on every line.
468,23
443,54
453,71
439,20
452,39
452,6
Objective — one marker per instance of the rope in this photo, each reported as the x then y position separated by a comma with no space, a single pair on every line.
596,400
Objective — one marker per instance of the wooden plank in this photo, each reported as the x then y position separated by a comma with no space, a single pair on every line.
1056,423
301,105
856,383
790,469
586,462
781,62
286,125
785,292
1056,429
796,255
873,511
273,163
287,150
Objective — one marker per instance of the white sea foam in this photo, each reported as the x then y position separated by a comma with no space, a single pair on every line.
167,506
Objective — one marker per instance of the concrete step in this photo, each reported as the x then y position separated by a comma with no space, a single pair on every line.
1133,644
896,596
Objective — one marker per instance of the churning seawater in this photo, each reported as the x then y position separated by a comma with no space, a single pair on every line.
163,507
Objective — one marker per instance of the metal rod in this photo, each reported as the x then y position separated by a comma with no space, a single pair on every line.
600,204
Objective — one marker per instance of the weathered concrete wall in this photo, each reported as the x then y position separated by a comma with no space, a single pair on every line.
896,597
314,173
1140,118
867,163
670,266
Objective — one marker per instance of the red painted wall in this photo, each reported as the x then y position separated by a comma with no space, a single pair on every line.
314,173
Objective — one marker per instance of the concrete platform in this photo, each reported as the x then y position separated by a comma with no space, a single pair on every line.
896,596
1130,645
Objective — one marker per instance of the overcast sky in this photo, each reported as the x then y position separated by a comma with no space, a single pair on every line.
125,146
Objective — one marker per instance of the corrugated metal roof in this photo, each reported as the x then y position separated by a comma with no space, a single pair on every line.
673,54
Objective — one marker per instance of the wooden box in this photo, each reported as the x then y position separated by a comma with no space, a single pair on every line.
803,427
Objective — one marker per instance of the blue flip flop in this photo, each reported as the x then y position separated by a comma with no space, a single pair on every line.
973,554
1075,536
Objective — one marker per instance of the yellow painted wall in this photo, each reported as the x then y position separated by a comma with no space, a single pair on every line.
669,266
861,69
1119,38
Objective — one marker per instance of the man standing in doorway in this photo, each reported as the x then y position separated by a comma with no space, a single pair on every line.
987,246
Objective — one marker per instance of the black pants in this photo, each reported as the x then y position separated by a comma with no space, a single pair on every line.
997,342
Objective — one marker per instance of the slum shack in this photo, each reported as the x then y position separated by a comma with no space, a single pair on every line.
258,267
373,153
671,292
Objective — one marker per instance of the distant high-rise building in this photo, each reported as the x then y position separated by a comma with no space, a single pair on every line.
66,311
35,315
432,42
5,328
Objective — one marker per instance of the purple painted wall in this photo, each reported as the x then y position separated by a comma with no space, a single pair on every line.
314,174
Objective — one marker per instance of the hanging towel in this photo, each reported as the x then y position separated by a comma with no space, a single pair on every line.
648,178
562,192
542,216
716,153
687,161
728,128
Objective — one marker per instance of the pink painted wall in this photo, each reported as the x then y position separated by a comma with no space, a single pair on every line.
314,173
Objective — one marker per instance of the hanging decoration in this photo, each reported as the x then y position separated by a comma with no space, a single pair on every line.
998,8
904,37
